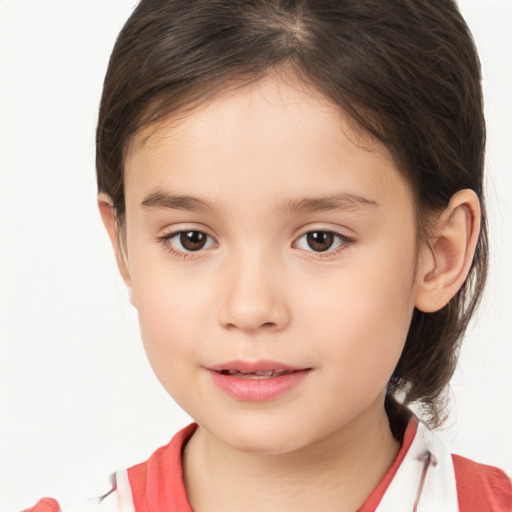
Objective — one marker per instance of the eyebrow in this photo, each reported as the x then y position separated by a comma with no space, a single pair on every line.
342,201
177,202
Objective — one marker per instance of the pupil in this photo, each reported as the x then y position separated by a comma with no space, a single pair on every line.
320,240
193,240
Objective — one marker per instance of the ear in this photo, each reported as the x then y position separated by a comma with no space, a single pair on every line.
446,259
109,218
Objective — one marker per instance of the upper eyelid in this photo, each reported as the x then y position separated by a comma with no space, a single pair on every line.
172,234
171,231
336,230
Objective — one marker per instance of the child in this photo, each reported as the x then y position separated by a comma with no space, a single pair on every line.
293,190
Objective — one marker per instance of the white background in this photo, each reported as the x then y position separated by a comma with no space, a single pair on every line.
77,397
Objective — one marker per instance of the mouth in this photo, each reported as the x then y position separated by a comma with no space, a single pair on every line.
257,381
261,369
268,374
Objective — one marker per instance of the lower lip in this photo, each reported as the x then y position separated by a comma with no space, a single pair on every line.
258,390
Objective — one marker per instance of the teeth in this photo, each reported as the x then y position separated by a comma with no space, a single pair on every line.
256,375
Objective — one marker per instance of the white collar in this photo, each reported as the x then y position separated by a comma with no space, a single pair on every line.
425,480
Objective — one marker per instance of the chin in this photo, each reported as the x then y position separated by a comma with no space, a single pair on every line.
262,436
263,445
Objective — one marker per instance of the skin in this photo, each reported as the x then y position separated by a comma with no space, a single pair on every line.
255,155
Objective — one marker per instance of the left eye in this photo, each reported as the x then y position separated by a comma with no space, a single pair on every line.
320,241
190,241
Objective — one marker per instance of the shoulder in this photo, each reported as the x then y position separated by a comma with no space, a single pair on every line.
478,487
155,485
117,499
44,505
482,487
440,481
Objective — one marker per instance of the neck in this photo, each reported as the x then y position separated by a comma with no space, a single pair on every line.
335,473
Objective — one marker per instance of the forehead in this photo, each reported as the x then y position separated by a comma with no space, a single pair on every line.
276,131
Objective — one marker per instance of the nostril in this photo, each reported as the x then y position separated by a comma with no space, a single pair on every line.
247,312
254,327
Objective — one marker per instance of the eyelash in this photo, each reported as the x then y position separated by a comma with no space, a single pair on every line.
165,241
343,240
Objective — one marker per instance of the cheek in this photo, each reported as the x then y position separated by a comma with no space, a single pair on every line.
362,315
173,317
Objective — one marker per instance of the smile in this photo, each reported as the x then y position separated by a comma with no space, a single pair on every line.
269,374
257,382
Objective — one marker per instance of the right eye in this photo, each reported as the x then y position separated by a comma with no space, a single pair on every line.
321,241
187,241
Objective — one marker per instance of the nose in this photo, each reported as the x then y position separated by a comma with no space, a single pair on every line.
254,296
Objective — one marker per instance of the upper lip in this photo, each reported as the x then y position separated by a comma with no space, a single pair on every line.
253,366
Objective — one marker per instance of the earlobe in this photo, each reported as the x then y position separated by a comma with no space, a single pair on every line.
108,216
446,260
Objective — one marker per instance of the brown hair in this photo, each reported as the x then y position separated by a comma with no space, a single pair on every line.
407,71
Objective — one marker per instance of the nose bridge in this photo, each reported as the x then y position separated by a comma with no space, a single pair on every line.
254,297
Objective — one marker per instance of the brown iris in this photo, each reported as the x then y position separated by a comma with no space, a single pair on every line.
193,240
320,241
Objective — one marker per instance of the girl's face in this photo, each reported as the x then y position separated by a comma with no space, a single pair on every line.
265,233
